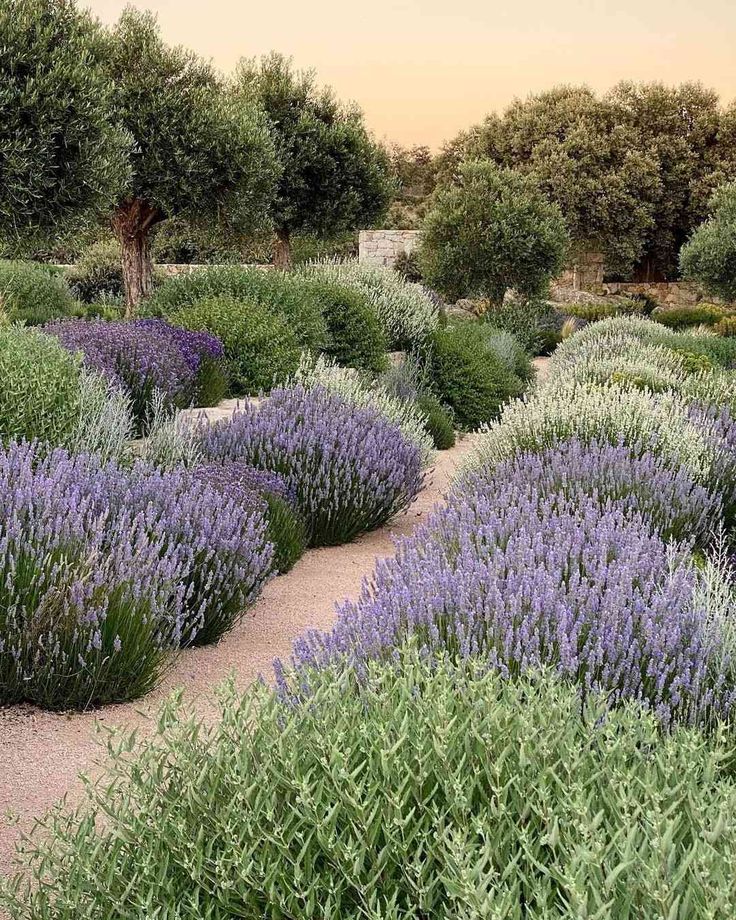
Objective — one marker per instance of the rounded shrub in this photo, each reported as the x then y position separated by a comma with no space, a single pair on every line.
469,376
682,317
40,390
348,468
525,578
33,294
534,323
261,349
461,792
438,421
355,334
602,309
406,311
98,273
279,293
240,483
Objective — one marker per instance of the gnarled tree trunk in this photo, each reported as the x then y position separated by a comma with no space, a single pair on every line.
132,224
282,250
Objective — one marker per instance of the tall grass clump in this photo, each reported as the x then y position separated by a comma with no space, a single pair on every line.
424,790
348,467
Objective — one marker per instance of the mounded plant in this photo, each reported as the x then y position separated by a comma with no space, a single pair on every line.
463,793
348,468
143,357
281,293
407,312
260,347
40,392
469,375
437,421
33,294
681,317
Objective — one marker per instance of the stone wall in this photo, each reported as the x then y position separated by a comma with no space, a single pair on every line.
584,272
666,293
382,247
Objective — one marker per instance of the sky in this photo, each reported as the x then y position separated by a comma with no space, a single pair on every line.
422,70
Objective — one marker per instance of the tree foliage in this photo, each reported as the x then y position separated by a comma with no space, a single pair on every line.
335,178
710,254
62,159
196,151
491,230
631,171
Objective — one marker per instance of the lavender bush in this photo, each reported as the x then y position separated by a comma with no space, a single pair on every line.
633,477
103,571
349,468
146,355
524,578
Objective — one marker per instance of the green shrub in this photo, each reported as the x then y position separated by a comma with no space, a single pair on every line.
422,792
709,256
508,350
40,387
704,314
283,294
33,294
438,421
98,273
535,324
287,532
355,334
469,376
260,347
726,327
602,309
406,264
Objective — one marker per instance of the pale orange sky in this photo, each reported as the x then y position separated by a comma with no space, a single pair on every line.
421,70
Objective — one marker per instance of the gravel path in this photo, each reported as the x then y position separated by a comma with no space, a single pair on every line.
42,753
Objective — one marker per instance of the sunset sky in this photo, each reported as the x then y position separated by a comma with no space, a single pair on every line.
421,70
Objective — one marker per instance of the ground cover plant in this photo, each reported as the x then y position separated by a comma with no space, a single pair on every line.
105,571
148,355
348,467
464,794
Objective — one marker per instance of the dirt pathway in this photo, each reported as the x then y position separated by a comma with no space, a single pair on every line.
42,753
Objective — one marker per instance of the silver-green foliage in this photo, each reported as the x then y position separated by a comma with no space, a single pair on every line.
406,311
425,793
105,421
40,388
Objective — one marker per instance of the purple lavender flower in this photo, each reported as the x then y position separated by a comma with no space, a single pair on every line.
142,356
632,477
104,570
348,468
525,578
239,481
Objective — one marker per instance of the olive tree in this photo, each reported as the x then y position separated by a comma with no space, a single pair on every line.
62,159
710,255
490,230
335,178
197,151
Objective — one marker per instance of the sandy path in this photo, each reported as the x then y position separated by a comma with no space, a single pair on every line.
42,753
